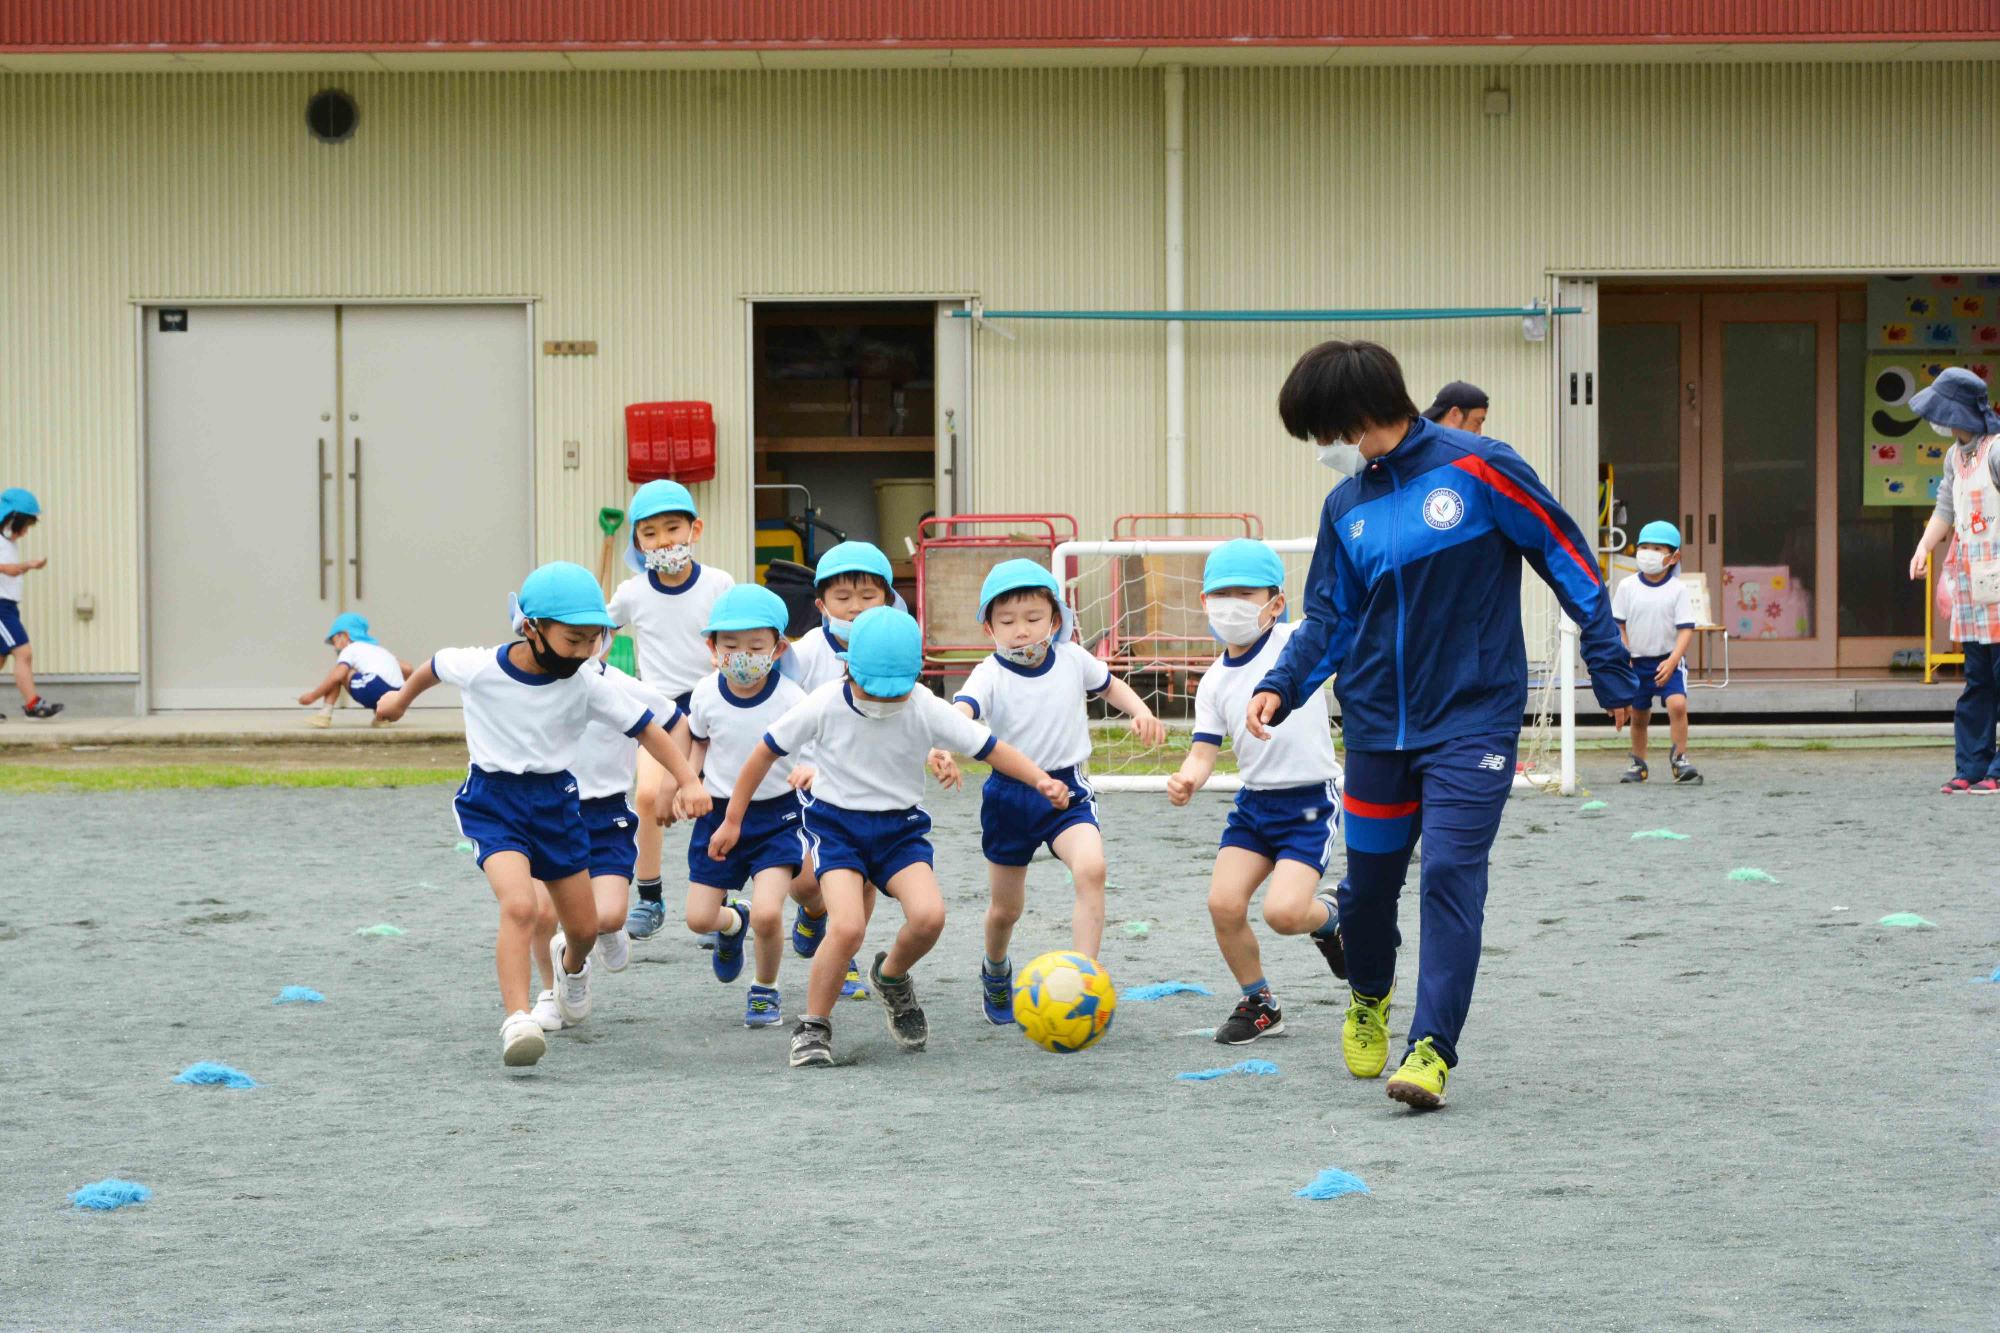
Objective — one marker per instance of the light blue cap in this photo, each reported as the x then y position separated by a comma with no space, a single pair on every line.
1660,533
748,606
661,497
885,652
565,593
853,558
1016,576
353,626
1242,563
14,501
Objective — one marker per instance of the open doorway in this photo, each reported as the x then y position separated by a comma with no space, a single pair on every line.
859,411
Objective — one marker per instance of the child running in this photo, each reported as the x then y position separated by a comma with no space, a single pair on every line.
873,733
364,668
605,760
527,706
19,511
665,604
733,707
1286,819
1031,691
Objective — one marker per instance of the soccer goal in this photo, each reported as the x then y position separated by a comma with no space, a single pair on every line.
1138,609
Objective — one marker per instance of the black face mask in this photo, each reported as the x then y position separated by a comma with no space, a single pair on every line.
556,664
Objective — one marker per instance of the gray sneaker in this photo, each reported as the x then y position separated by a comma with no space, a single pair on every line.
906,1021
812,1043
1685,773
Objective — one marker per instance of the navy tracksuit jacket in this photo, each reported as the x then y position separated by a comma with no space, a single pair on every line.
1413,605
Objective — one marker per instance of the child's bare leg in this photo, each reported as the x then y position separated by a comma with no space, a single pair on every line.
1007,894
846,924
805,890
1237,874
1080,848
576,909
545,930
1641,719
1291,904
704,909
515,890
23,660
612,894
768,889
1677,721
915,889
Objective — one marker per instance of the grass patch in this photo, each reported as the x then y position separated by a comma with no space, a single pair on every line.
31,778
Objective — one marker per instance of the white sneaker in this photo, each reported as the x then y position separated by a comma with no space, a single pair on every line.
546,1013
615,949
521,1039
573,993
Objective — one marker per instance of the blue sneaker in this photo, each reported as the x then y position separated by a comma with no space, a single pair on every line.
854,988
645,919
806,932
728,958
763,1010
998,995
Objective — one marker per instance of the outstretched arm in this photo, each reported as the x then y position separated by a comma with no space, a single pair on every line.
1148,728
391,707
655,741
330,685
1319,646
1194,773
755,769
1010,761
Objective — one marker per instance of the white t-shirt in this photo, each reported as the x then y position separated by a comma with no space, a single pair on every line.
606,757
1653,614
733,727
518,723
814,659
1039,710
666,624
1300,751
371,661
10,584
870,763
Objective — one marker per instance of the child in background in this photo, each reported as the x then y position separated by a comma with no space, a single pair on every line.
1656,615
364,668
19,511
1286,820
1031,692
733,707
873,733
605,760
527,706
665,604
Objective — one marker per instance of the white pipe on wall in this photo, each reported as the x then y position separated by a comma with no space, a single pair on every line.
1175,86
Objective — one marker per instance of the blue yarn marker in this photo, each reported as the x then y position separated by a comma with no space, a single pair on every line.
1240,1067
299,995
1161,990
1331,1184
104,1195
207,1073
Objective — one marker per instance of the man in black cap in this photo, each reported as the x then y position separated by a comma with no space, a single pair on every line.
1461,406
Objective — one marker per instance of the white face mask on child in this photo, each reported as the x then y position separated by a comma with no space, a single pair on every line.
1652,562
879,708
1235,621
669,559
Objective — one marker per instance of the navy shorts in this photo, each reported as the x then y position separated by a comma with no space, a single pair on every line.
368,690
1646,668
614,835
771,837
13,634
874,843
1015,819
535,814
1287,824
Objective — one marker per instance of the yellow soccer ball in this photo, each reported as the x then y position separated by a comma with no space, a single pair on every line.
1064,1001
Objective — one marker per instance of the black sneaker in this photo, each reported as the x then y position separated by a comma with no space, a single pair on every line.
1685,771
1332,947
812,1043
906,1021
1638,772
42,708
1255,1017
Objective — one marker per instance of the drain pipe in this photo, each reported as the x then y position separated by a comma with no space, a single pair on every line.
1175,84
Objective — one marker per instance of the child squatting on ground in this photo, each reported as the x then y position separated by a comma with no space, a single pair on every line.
527,706
1286,820
361,666
873,733
1656,616
1031,693
19,511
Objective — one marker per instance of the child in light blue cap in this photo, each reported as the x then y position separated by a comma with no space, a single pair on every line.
19,511
363,667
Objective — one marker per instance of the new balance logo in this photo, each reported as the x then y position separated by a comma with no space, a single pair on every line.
1354,529
1493,763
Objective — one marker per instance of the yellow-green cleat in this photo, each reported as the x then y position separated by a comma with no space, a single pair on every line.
1420,1082
1364,1034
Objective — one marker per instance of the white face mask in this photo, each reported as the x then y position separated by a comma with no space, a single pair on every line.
1652,562
1942,430
1342,457
879,708
669,559
747,669
1235,621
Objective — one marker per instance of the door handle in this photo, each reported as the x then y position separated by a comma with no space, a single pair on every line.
1711,529
323,477
1687,526
355,477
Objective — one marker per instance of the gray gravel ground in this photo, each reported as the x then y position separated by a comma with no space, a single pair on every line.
1685,1102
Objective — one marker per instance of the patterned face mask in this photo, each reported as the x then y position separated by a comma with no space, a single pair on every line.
1028,654
747,669
669,559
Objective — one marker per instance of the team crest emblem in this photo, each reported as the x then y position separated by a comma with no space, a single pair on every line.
1444,508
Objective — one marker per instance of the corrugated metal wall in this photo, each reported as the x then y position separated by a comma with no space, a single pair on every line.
639,209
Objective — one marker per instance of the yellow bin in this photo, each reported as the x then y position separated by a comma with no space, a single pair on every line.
900,504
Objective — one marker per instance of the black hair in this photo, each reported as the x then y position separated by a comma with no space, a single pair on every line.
1339,389
16,523
1457,394
1015,594
854,578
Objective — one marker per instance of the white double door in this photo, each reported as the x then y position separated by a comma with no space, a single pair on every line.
302,461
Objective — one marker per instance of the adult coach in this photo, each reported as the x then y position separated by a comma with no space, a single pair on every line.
1413,605
1459,405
